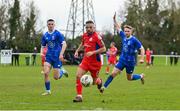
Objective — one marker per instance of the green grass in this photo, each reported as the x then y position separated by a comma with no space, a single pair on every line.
21,88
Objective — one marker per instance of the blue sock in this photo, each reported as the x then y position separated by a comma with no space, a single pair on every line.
47,85
61,73
108,81
136,76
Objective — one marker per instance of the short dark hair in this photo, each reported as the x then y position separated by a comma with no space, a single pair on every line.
50,20
89,22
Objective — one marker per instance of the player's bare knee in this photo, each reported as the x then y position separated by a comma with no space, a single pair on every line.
46,74
113,75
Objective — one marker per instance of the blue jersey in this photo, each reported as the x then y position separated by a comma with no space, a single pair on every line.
53,41
129,47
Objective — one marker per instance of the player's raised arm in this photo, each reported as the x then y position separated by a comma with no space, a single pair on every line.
117,26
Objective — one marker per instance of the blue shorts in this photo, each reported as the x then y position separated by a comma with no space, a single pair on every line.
54,61
129,65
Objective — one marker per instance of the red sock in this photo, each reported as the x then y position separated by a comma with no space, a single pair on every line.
78,87
107,69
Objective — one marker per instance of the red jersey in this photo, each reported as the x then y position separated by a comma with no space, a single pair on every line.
112,52
148,56
91,43
148,52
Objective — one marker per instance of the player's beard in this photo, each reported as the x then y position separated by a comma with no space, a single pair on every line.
90,33
50,29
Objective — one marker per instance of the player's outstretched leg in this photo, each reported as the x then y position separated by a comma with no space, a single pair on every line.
78,98
79,74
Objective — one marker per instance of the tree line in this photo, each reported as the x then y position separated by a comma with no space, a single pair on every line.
18,26
156,24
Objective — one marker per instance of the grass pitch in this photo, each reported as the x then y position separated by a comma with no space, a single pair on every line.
21,88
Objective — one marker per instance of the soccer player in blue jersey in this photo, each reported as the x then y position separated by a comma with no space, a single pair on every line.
127,58
56,45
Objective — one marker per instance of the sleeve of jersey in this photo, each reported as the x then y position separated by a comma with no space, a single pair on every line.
99,41
138,44
43,41
61,37
122,34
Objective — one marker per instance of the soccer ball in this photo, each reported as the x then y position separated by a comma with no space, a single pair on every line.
86,80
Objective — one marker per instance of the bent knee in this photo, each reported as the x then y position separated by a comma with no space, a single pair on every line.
46,74
114,74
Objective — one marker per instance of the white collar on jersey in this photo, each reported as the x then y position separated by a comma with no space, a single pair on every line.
129,37
51,32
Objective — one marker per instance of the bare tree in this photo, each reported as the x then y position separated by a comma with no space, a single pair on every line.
4,31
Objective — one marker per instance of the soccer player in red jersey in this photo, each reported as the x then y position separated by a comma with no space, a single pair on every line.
93,46
112,56
148,57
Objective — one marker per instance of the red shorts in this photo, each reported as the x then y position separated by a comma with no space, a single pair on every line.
42,60
92,67
112,60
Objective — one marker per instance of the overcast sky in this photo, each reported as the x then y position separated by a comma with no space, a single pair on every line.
59,10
